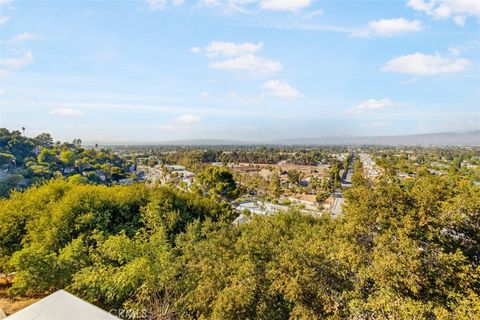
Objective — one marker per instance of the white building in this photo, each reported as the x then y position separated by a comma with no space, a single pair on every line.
259,208
62,305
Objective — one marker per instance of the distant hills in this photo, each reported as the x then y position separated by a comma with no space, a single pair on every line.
471,138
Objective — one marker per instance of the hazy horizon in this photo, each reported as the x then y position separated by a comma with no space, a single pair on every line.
256,70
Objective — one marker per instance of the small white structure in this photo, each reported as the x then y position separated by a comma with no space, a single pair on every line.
241,219
101,176
337,206
125,182
62,305
175,167
68,170
259,207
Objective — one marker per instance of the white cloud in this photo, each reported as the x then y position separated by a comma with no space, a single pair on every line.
251,64
227,6
460,20
285,5
181,122
420,5
205,95
423,64
389,28
459,10
160,4
281,89
313,14
25,36
5,2
156,4
245,5
231,49
371,105
196,50
66,112
186,119
4,19
18,62
243,58
454,51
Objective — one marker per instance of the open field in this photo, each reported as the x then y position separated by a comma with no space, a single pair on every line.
265,170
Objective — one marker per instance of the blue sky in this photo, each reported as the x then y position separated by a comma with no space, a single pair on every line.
253,70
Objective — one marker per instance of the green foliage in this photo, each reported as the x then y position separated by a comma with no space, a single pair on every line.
44,140
67,157
358,179
78,179
16,144
401,250
271,268
217,183
117,173
294,176
10,183
47,156
6,158
322,195
70,228
334,176
275,185
18,157
40,171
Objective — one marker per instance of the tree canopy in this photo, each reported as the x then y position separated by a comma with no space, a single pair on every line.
401,250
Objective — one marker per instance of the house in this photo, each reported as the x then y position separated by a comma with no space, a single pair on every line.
436,172
125,182
68,170
175,168
304,182
62,305
37,150
102,176
241,219
259,207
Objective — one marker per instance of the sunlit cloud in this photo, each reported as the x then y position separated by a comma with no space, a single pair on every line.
372,105
389,28
17,62
281,89
458,10
424,64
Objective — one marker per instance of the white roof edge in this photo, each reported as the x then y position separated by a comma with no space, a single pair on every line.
62,305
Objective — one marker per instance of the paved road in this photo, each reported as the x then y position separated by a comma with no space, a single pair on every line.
346,182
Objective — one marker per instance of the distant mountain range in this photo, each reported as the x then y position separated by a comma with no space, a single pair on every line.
471,138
